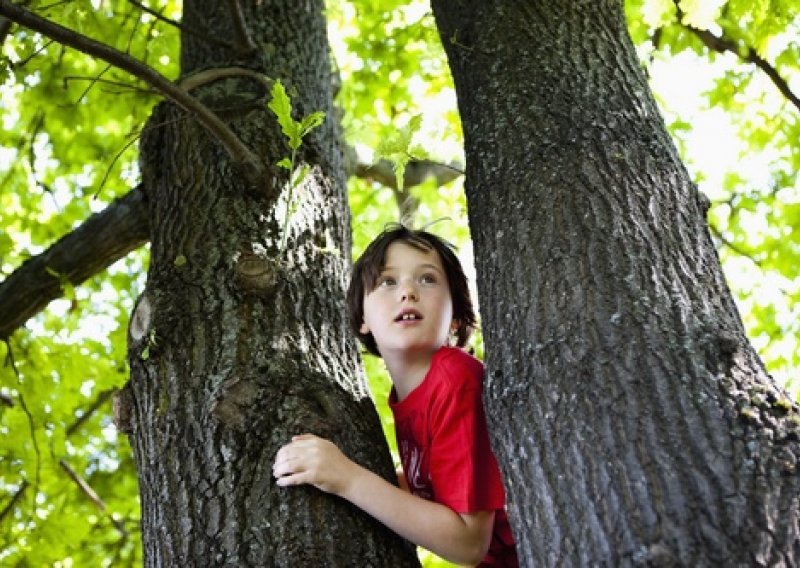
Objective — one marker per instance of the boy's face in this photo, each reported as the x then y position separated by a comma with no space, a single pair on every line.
410,308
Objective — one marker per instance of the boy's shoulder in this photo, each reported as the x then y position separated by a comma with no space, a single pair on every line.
455,364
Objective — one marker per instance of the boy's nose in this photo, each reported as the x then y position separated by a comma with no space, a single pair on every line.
408,292
409,295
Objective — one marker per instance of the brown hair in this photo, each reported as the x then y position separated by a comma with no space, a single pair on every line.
368,268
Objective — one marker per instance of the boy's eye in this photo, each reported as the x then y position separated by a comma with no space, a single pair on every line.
428,279
385,281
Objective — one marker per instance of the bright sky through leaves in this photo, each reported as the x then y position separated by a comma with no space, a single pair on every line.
64,118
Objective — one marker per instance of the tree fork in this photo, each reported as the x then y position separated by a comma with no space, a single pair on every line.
124,226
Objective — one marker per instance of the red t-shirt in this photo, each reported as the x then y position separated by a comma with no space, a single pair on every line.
444,446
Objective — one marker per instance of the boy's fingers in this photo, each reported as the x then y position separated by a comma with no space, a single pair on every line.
288,480
281,469
283,459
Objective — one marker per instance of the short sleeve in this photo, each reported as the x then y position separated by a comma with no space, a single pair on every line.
463,470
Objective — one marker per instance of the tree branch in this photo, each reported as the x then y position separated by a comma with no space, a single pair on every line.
101,399
245,42
416,173
91,494
207,76
5,24
102,239
238,151
123,226
722,44
185,29
733,247
14,499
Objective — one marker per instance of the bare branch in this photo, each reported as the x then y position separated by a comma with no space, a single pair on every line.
109,82
416,172
722,44
733,247
185,29
101,399
91,494
102,239
123,226
238,151
11,505
207,76
245,42
14,500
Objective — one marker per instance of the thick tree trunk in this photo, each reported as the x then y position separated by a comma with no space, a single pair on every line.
234,345
634,422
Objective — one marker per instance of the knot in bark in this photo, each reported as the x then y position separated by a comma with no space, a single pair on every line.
256,273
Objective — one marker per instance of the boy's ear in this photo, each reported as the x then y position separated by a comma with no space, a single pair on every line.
364,329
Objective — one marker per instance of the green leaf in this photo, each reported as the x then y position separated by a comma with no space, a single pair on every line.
398,149
310,122
281,105
301,174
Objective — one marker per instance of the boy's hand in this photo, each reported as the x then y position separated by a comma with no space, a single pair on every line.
313,460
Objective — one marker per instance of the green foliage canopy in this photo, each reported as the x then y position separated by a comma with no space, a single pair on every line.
68,147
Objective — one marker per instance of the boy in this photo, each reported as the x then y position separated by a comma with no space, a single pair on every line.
408,294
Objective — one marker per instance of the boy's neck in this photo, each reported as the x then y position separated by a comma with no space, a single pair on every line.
407,371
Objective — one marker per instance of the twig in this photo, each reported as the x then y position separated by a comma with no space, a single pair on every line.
23,62
47,6
245,43
17,496
10,362
110,82
236,148
186,29
98,402
741,252
36,450
721,44
210,75
116,157
92,495
91,83
735,248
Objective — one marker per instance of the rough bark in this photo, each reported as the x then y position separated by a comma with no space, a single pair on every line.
123,226
236,346
634,423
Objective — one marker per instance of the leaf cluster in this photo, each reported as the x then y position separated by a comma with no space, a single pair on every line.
748,60
67,148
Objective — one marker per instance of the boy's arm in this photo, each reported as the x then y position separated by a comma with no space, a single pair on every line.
459,537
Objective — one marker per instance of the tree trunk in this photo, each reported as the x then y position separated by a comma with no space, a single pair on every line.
633,421
234,345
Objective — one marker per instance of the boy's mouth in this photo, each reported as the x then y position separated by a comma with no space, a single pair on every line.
408,315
